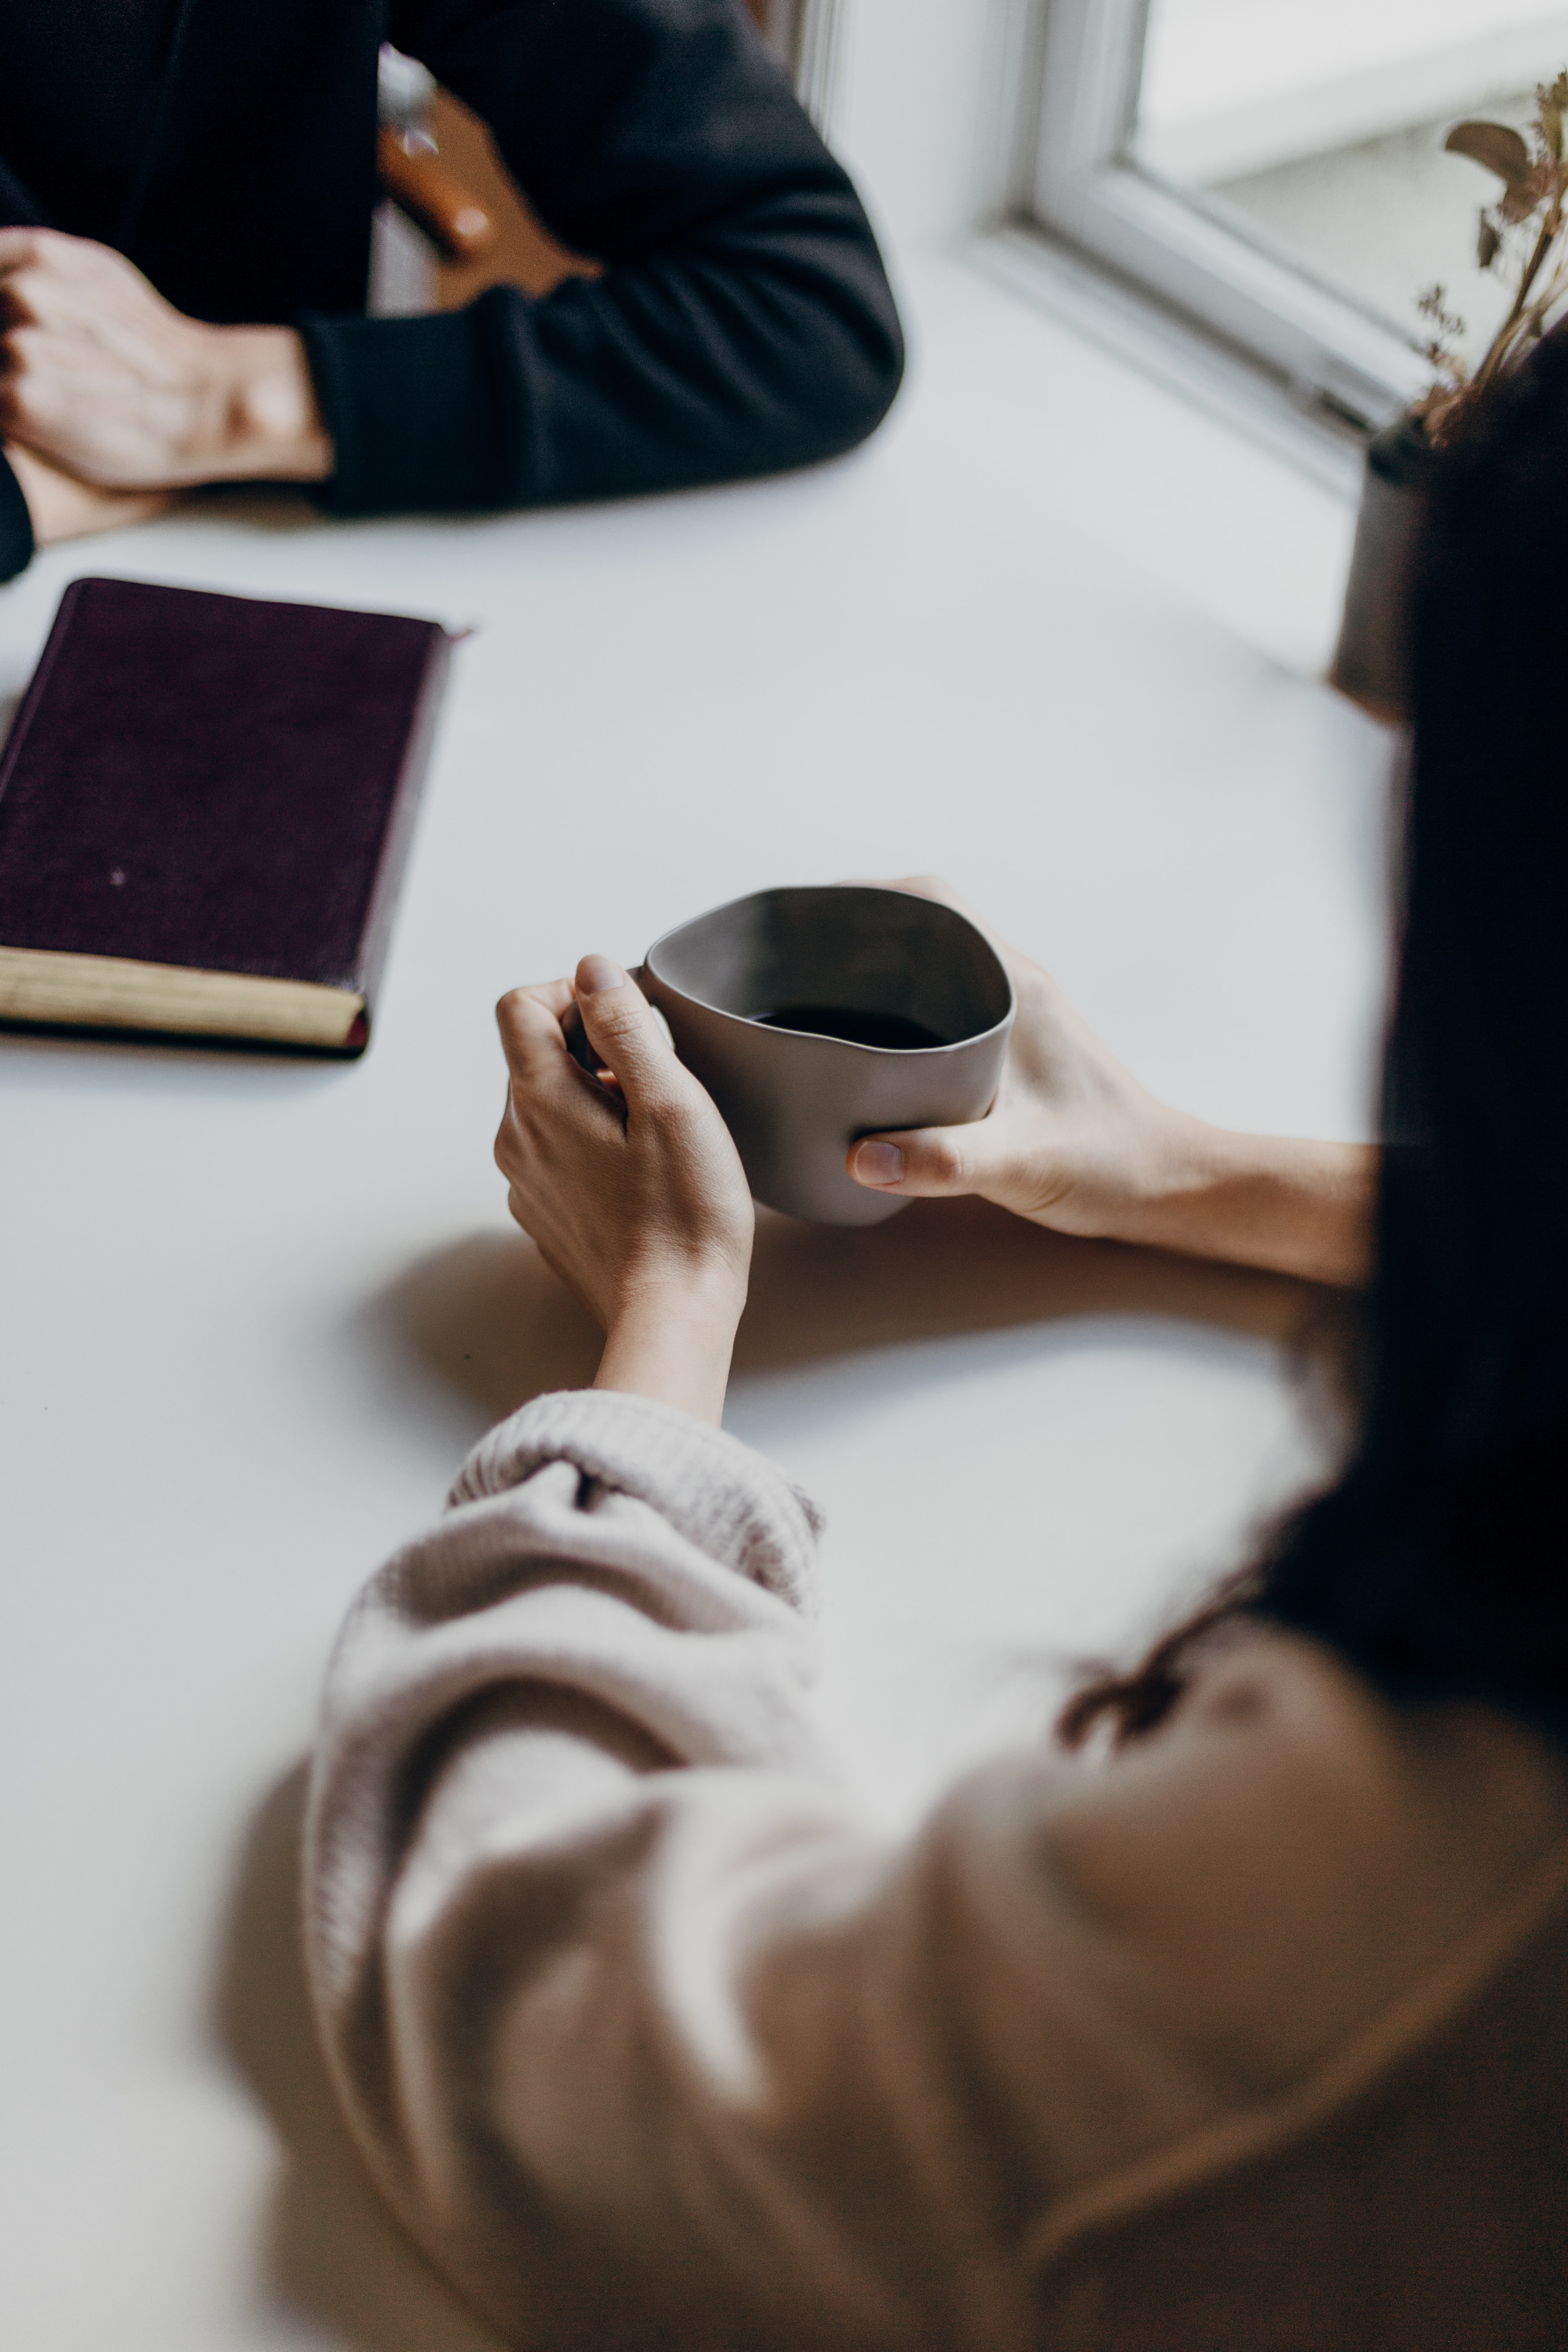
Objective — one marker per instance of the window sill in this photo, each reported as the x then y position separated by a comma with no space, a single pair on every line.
1217,492
1174,352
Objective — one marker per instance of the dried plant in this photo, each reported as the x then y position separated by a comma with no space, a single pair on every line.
1522,240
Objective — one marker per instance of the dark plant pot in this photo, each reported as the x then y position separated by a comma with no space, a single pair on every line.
1372,661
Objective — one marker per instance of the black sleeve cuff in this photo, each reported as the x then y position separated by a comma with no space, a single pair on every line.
15,525
414,410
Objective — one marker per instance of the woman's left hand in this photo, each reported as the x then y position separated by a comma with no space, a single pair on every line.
632,1188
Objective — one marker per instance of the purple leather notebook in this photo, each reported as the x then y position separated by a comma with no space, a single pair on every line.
206,805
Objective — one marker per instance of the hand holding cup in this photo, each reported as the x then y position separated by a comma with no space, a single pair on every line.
630,1184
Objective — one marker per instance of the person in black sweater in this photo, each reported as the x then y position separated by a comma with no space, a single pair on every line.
224,156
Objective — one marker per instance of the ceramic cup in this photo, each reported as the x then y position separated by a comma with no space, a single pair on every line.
744,989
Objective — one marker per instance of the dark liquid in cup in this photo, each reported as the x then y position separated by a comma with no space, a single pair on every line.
886,1029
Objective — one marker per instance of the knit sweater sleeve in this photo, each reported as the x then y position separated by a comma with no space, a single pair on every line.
568,1804
653,2041
744,322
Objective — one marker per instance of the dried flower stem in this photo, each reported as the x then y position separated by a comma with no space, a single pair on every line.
1534,177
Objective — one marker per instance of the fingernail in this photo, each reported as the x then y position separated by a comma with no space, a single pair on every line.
597,972
879,1163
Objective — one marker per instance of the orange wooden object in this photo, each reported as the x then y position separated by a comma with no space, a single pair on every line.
456,188
432,196
524,253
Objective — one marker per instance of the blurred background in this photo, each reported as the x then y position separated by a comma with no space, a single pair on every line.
1318,125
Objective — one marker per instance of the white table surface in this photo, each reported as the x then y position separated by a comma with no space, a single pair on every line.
1050,634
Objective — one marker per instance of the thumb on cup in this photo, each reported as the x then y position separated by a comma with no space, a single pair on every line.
924,1162
627,1035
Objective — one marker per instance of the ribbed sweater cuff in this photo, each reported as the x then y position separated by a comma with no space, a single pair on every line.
16,526
731,1502
413,409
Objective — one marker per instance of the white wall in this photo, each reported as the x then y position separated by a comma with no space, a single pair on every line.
924,96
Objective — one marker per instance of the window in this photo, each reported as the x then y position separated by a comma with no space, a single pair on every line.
805,34
1274,168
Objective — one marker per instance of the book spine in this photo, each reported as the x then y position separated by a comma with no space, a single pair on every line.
376,936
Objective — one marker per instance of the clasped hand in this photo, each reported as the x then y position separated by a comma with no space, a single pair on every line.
110,399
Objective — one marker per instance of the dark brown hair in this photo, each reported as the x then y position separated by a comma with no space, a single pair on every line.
1438,1561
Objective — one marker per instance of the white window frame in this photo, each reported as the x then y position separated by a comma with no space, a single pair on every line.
1086,190
806,35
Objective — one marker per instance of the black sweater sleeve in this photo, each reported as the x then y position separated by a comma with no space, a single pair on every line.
15,525
744,322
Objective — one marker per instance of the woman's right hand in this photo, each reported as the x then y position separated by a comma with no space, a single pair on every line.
1074,1142
629,1183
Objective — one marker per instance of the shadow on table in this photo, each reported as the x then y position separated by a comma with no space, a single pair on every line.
331,2248
280,509
487,1317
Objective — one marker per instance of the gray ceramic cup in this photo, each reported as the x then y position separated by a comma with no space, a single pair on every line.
745,988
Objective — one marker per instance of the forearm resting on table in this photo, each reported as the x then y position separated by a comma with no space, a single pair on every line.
1284,1204
674,1345
1279,1202
246,410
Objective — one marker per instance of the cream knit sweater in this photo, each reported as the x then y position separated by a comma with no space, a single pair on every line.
1252,2037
